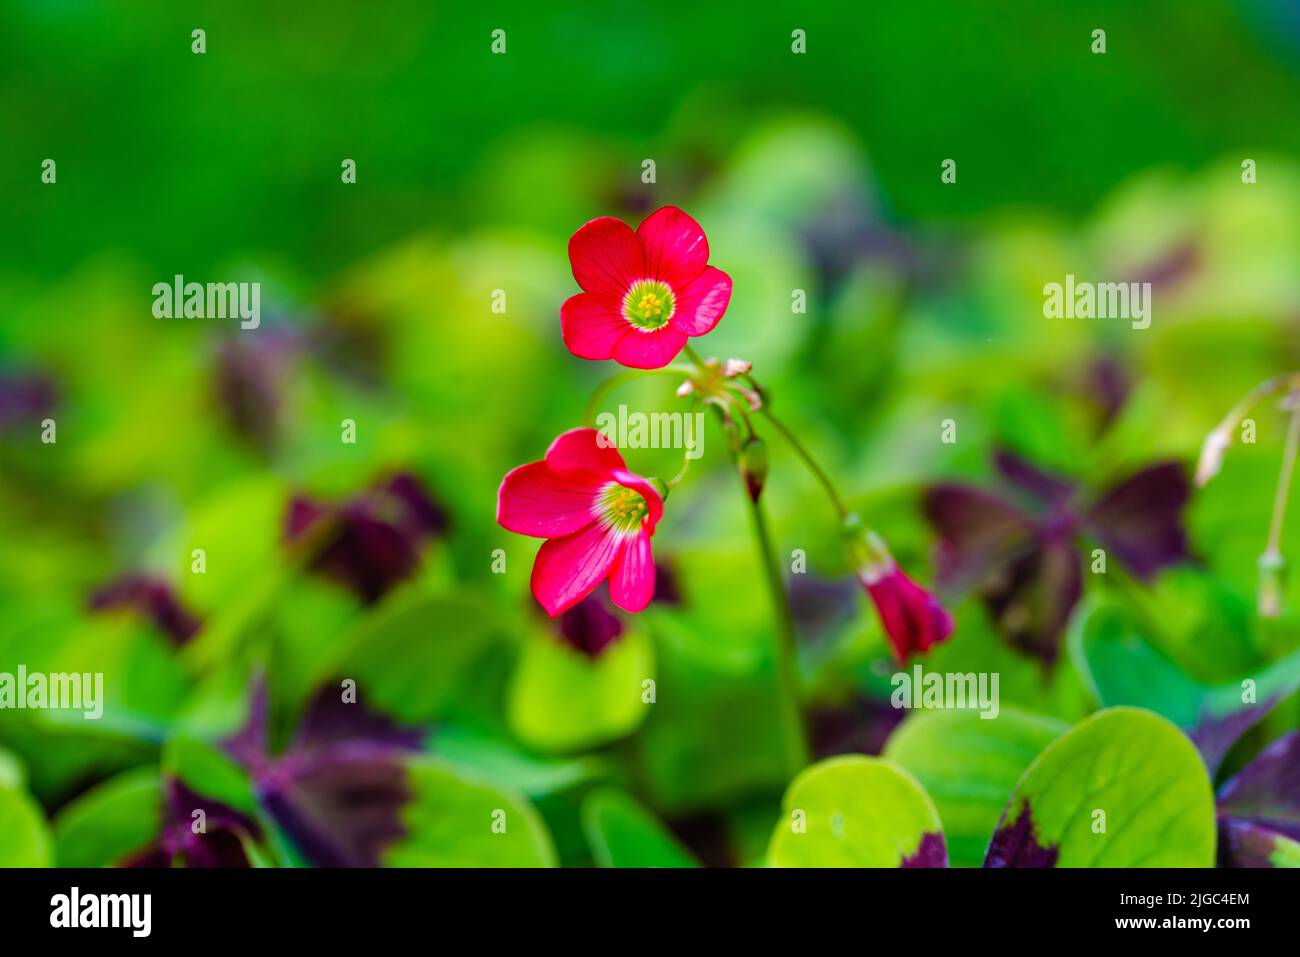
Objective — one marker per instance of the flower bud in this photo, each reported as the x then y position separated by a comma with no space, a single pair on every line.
731,432
753,466
1212,452
913,619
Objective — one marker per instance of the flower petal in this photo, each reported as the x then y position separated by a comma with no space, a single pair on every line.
568,569
535,499
632,581
673,246
913,619
701,304
649,350
584,450
606,258
591,325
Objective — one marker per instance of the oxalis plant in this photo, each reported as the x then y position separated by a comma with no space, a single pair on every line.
645,295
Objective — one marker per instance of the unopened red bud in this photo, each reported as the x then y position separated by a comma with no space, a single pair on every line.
753,466
913,619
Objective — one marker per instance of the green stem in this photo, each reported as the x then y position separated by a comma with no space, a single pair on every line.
1284,480
613,382
787,666
1290,380
673,482
818,472
786,651
744,415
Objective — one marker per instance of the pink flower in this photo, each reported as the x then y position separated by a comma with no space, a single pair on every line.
644,293
912,617
596,517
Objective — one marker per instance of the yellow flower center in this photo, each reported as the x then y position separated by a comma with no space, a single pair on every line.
623,509
649,304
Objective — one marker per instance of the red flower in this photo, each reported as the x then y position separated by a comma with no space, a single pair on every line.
644,293
913,618
596,517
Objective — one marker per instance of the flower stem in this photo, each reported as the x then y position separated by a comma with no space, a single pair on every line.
818,472
613,382
1256,395
1284,479
788,434
786,651
673,482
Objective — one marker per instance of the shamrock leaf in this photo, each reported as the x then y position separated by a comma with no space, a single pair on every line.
24,836
1123,788
622,833
970,765
1126,669
454,820
857,812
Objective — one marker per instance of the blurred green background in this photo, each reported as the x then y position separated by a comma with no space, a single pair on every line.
818,172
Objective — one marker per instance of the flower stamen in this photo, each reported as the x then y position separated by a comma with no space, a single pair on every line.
621,508
649,304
